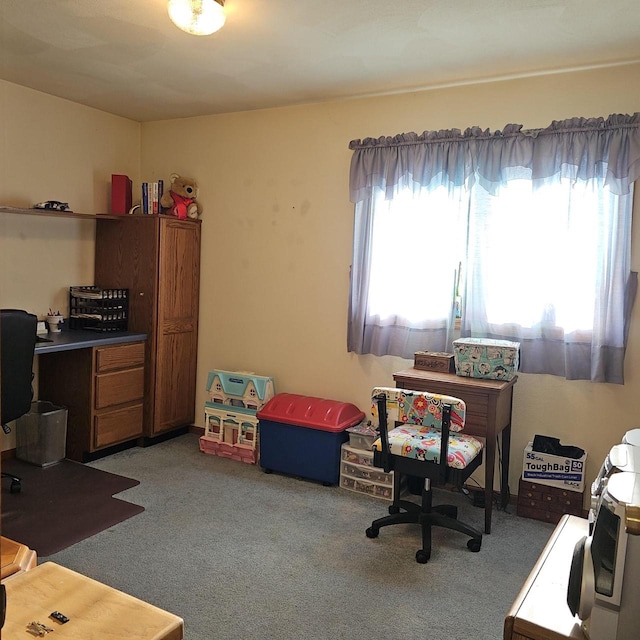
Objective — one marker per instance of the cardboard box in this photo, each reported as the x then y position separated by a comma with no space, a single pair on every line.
486,358
120,194
554,471
434,361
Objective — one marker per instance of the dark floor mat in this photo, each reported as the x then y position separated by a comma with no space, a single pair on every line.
61,504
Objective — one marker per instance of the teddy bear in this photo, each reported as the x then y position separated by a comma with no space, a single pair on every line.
181,198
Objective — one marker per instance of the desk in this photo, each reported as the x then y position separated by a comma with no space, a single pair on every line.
95,611
489,405
540,612
99,378
74,339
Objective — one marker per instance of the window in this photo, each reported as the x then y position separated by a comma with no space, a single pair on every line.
411,235
534,255
532,229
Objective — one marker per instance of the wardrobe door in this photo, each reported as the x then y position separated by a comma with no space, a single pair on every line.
177,324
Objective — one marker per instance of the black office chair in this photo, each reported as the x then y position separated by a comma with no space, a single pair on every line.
427,444
17,345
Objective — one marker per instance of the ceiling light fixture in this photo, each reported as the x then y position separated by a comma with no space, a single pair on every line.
198,17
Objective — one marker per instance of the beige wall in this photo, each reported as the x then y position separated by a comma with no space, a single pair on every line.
53,149
277,229
277,233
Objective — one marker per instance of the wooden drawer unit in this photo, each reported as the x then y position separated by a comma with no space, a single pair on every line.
103,390
118,426
542,502
120,357
119,387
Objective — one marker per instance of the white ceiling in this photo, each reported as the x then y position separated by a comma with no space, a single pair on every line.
127,58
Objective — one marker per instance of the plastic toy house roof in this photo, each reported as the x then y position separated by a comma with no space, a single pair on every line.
235,383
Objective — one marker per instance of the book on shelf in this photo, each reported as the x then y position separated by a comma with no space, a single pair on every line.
145,197
151,195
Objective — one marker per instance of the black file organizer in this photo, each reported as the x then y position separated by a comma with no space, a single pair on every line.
98,309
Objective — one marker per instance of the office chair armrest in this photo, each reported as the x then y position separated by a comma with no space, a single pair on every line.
385,458
444,441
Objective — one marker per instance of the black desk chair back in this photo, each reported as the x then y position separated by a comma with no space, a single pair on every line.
17,345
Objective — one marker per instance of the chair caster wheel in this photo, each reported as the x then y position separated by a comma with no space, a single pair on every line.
394,509
474,545
422,556
15,486
372,532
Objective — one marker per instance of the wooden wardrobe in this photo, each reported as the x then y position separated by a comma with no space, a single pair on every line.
157,257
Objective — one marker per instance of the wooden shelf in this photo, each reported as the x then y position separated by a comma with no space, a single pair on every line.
82,216
59,214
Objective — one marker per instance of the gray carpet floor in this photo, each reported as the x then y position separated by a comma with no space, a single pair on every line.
243,555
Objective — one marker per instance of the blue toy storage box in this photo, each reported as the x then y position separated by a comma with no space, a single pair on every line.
302,435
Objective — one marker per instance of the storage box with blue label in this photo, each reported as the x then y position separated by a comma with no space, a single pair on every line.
486,358
555,471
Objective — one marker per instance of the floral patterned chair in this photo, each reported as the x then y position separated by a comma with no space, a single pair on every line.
415,448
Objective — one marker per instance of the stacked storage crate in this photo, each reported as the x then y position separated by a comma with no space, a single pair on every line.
98,309
231,425
357,472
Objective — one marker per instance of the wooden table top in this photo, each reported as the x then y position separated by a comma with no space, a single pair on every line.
540,611
95,610
15,557
484,385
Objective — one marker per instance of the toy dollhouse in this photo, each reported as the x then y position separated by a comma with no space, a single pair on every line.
231,425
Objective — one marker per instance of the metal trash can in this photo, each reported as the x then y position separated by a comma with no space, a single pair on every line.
41,434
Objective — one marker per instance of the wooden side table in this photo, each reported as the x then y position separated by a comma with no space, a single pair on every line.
95,610
540,612
489,404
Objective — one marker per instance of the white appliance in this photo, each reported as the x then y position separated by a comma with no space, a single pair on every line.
632,437
604,582
622,457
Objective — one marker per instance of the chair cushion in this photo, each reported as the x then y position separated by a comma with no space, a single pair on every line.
425,409
419,437
393,395
418,407
423,443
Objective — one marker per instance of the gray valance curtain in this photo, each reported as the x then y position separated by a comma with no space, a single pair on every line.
577,148
594,154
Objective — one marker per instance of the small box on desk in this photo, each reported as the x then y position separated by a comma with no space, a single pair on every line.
486,358
434,361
